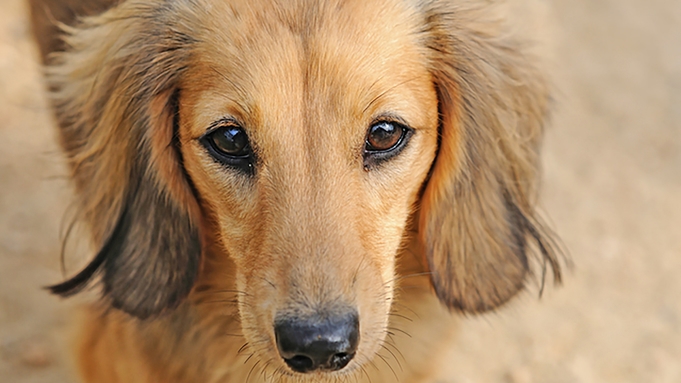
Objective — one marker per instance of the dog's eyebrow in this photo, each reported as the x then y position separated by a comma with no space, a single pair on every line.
383,93
239,89
392,117
224,76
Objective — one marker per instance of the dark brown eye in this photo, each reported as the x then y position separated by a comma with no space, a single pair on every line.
383,136
230,140
229,145
385,140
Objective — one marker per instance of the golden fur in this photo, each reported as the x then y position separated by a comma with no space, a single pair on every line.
195,260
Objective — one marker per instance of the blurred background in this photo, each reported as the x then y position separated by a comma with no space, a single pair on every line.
612,190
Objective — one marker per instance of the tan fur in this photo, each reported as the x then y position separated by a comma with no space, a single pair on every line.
196,260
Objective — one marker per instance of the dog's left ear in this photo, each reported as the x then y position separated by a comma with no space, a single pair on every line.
477,219
115,92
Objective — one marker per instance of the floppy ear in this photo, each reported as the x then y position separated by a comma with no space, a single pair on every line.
477,218
115,91
45,14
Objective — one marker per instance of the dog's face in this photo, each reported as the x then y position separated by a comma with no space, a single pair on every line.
299,140
308,141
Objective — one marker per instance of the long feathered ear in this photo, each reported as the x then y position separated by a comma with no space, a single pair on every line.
46,14
477,219
115,92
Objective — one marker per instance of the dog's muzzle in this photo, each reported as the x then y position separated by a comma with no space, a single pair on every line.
309,344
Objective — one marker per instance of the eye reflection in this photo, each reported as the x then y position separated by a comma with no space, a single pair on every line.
385,139
231,141
229,145
383,136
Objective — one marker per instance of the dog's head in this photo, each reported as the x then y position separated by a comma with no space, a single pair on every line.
284,149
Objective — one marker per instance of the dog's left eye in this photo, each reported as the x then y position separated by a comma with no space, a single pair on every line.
229,145
384,140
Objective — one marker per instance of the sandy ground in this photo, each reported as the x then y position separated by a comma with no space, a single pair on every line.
612,188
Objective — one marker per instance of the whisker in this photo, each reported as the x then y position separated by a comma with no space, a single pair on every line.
248,377
242,348
219,291
361,368
399,330
389,366
263,372
268,282
395,348
403,306
249,357
400,316
394,357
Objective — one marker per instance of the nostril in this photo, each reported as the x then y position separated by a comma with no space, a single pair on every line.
314,343
340,360
300,363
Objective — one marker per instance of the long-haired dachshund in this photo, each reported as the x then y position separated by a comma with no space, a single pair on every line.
293,190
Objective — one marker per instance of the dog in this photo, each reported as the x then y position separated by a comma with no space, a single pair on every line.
294,190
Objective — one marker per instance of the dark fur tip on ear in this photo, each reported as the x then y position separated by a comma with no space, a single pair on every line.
154,260
78,282
150,261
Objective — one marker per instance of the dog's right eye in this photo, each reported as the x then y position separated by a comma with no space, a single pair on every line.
229,145
385,140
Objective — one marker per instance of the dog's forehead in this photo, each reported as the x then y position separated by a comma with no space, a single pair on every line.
294,63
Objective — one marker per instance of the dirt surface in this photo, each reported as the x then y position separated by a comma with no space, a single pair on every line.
612,188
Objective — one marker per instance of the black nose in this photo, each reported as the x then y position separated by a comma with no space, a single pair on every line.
312,343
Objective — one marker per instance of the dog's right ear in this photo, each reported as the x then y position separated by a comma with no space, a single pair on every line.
46,14
477,220
116,95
